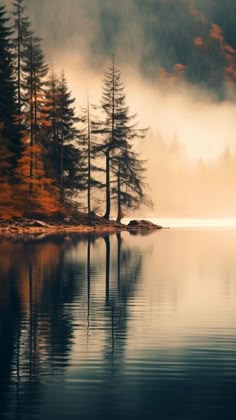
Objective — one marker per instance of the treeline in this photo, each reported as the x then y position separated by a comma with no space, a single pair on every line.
50,157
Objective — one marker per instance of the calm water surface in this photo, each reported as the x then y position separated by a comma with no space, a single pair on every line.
119,327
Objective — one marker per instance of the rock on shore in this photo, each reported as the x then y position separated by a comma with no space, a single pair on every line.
144,225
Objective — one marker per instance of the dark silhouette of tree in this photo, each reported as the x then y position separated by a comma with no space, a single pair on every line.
66,129
125,268
128,191
21,35
50,136
6,190
88,144
118,131
9,135
8,107
61,140
10,314
34,183
35,70
43,151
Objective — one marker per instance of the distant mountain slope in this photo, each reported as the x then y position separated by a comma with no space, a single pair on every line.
192,39
170,39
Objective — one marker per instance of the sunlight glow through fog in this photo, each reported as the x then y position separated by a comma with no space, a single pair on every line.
189,223
196,223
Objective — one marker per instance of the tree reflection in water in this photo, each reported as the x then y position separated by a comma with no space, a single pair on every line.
43,285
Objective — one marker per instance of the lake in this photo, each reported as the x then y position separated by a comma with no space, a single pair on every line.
119,327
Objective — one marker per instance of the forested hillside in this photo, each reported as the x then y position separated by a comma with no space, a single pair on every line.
55,158
51,157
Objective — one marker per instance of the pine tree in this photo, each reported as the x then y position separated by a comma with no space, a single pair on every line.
21,36
35,70
88,146
7,204
123,165
67,134
62,137
128,190
8,108
50,135
110,102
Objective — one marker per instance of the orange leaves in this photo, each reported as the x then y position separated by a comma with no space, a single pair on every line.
230,67
216,34
230,75
166,77
171,78
180,69
7,193
40,194
216,40
24,163
228,49
28,190
46,123
8,205
46,202
199,43
231,70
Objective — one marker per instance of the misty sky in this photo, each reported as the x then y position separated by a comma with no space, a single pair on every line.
192,124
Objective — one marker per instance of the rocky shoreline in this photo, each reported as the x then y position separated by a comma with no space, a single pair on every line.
81,224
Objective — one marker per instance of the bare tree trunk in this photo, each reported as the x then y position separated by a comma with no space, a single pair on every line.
31,119
62,171
119,210
108,188
89,161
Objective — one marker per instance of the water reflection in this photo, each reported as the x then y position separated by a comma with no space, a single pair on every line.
44,287
120,291
100,327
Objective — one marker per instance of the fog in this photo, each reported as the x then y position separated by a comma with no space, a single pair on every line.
191,146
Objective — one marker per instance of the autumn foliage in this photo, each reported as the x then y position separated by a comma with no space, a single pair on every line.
210,59
46,159
27,187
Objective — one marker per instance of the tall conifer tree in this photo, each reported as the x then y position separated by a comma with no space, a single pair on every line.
118,131
67,162
88,145
21,37
8,108
35,70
